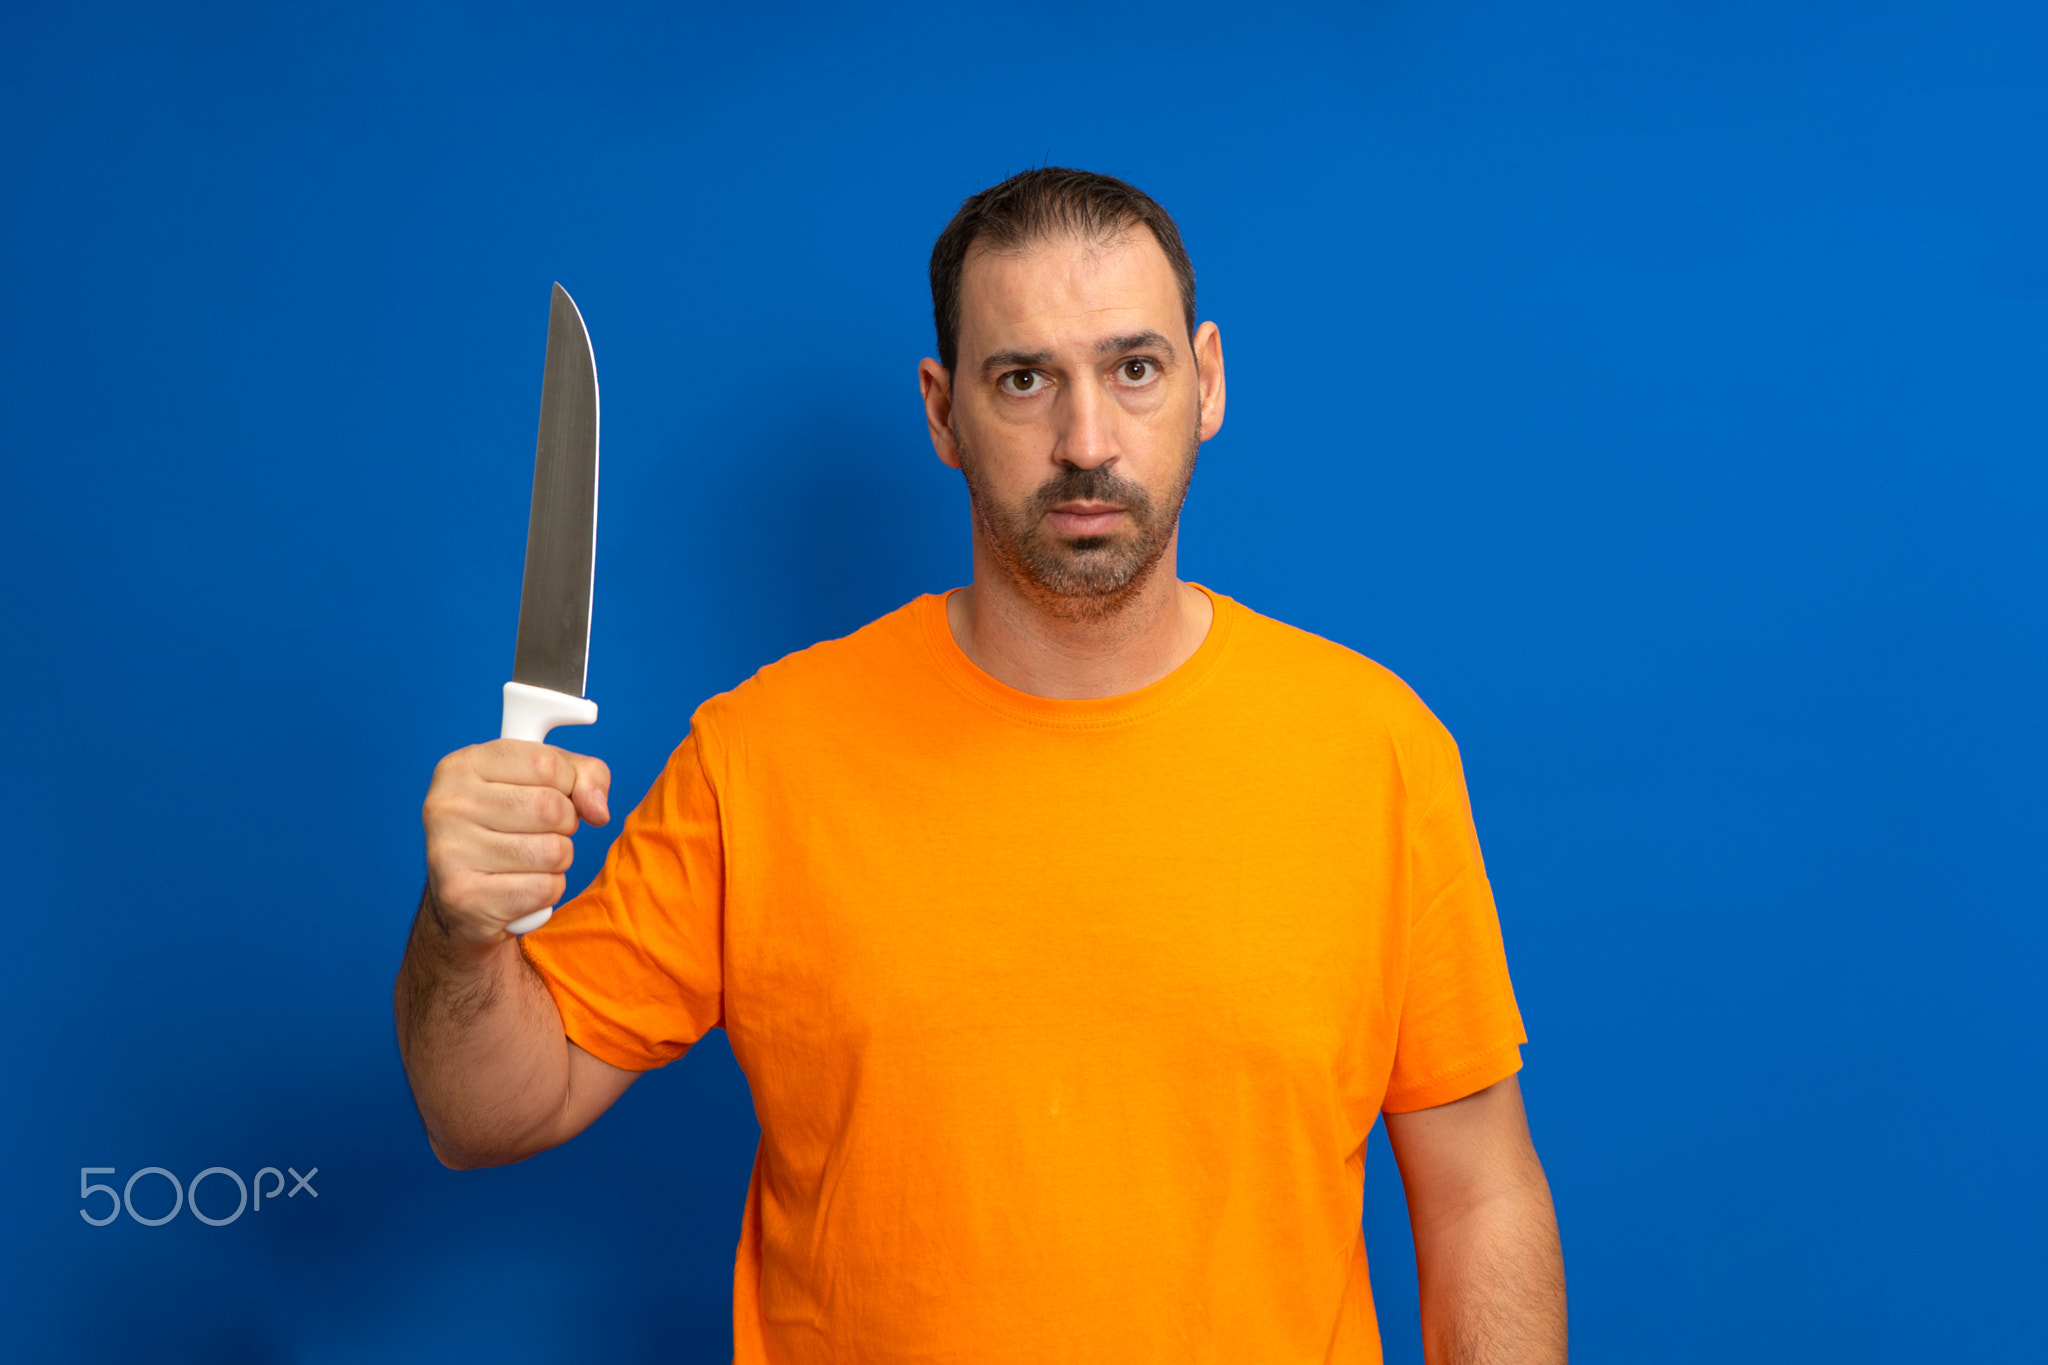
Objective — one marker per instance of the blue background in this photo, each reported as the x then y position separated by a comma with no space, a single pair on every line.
1659,389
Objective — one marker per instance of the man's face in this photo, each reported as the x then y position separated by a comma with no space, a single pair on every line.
1075,411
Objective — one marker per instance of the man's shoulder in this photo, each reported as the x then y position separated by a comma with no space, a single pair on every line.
884,657
1310,673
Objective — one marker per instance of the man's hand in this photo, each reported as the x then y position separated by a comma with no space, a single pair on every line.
1486,1246
495,1077
499,817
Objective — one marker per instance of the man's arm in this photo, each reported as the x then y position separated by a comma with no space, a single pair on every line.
1486,1246
495,1078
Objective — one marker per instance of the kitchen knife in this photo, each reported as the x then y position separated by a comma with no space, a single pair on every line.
553,652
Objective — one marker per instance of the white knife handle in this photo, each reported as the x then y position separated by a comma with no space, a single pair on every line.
530,712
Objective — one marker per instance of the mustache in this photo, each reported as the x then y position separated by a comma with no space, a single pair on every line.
1100,484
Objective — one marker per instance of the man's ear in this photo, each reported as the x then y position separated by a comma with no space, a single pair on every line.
937,386
1209,385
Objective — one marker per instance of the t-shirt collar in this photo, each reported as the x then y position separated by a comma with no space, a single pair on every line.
1074,713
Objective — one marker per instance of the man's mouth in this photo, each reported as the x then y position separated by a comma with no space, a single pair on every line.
1085,518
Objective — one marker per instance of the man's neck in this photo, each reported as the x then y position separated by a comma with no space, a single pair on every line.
1016,641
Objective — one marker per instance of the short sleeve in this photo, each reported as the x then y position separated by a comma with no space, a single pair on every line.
1460,1030
635,963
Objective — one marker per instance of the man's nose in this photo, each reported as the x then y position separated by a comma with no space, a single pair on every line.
1088,427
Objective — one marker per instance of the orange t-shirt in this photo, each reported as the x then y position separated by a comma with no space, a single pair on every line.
1066,1021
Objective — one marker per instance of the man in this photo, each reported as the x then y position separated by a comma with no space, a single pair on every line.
1072,928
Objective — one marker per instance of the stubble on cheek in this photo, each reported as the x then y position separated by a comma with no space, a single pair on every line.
1078,578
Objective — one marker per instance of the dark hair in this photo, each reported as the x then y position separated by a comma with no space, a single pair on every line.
1033,205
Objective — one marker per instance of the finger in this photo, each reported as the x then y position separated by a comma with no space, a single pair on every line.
525,853
475,849
508,809
592,792
522,763
453,809
501,897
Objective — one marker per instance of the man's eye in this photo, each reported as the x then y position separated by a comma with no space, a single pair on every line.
1137,371
1023,381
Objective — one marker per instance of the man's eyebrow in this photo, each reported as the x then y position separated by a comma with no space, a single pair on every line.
1015,360
1135,341
1027,360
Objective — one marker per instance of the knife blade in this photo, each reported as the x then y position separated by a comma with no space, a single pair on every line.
551,660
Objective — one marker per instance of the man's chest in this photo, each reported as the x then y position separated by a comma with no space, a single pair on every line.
1068,894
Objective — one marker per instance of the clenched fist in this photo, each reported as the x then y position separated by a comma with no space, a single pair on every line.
498,818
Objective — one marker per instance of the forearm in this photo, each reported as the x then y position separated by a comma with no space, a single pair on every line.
482,1044
1492,1280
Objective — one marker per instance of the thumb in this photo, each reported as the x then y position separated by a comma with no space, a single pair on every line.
592,795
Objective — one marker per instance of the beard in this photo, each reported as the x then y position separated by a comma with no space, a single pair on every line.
1079,578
